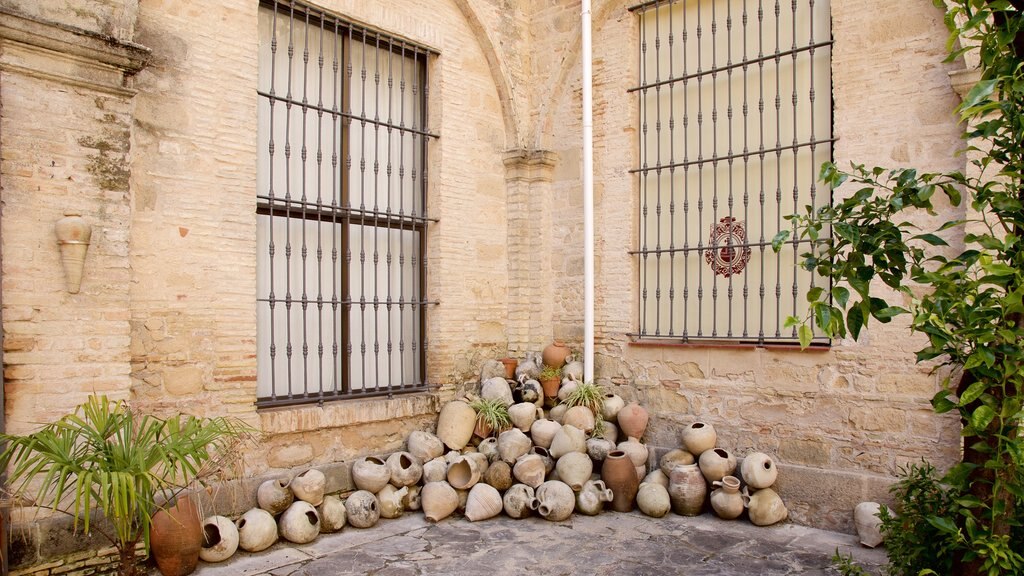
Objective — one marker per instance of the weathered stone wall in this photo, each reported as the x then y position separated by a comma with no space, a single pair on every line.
840,421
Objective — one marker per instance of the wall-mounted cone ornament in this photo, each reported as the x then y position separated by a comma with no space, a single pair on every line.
73,236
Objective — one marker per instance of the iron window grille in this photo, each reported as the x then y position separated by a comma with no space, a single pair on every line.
735,119
341,209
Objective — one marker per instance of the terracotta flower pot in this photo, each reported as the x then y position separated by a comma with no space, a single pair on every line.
510,367
176,537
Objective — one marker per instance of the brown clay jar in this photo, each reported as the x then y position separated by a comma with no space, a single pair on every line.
619,476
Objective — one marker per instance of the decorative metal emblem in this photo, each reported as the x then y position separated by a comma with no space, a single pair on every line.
728,252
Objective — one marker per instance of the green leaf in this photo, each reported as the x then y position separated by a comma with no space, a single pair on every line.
972,393
806,335
942,404
854,321
815,293
842,296
982,417
779,239
979,92
931,239
888,312
943,524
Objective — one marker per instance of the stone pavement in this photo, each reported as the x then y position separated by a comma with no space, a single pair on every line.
608,544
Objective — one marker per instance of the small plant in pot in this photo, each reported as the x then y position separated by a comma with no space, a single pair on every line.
550,380
106,458
491,417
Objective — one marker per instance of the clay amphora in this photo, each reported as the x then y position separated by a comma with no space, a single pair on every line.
455,424
299,523
435,470
557,412
438,500
332,514
370,474
698,437
405,469
598,448
555,354
424,445
573,370
686,489
274,496
568,439
566,388
483,502
489,447
498,475
652,499
545,456
656,477
590,500
512,444
220,539
619,474
610,406
529,470
759,471
581,417
176,537
632,419
636,451
519,501
257,530
557,500
309,486
673,457
574,469
726,500
392,501
765,507
869,525
497,389
716,464
524,414
465,472
543,431
362,509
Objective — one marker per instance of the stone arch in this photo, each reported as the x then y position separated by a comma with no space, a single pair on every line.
498,73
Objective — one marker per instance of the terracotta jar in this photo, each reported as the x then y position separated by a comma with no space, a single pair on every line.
362,509
333,516
610,406
633,420
257,530
698,437
483,502
519,501
300,523
869,525
371,474
716,464
765,507
438,500
619,474
455,424
557,500
674,457
551,386
424,445
220,539
404,469
687,490
555,354
726,500
309,486
176,537
590,500
275,496
653,499
574,469
759,470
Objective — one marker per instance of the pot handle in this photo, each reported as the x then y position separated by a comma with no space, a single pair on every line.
746,497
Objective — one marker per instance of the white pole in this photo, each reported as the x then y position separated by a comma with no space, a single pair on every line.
588,197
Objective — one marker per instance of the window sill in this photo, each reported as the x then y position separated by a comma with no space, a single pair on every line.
302,418
732,344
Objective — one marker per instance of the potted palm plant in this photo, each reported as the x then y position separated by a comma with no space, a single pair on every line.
127,466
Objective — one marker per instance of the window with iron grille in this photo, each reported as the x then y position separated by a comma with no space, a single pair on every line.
341,212
735,120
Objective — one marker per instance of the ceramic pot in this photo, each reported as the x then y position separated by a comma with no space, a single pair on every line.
636,451
524,414
611,432
716,464
726,500
765,507
483,502
220,539
550,386
362,509
412,498
545,456
610,406
529,391
557,500
580,417
465,472
497,389
257,530
529,367
370,473
392,501
299,523
598,448
652,499
673,457
435,471
591,498
455,424
489,448
566,388
543,431
698,437
557,412
492,369
656,477
176,537
498,475
424,445
519,501
73,236
568,439
512,444
632,419
619,474
529,470
758,470
404,469
309,486
555,354
332,514
869,525
274,496
687,490
510,367
574,469
573,370
438,500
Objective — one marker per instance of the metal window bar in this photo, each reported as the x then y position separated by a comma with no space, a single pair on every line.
341,209
699,266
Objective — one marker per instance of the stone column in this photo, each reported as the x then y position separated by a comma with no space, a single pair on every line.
528,176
